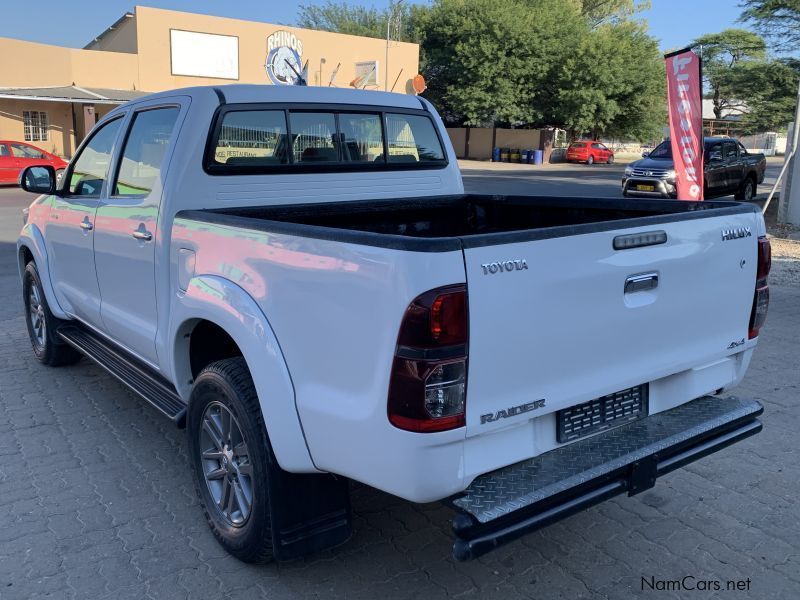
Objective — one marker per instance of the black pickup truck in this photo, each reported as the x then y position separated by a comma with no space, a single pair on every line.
728,167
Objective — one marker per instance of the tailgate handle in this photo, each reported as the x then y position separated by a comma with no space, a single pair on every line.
641,283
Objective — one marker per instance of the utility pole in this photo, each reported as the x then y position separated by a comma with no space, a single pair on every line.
389,21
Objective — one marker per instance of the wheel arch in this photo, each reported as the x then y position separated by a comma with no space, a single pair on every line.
212,305
31,247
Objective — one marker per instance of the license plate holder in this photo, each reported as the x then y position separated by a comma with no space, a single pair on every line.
603,413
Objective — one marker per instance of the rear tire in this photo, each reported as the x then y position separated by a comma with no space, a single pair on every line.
611,160
590,160
748,190
43,326
232,463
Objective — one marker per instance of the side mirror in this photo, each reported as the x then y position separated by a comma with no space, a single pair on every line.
38,180
645,154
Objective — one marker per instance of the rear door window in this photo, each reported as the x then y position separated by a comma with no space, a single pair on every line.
144,150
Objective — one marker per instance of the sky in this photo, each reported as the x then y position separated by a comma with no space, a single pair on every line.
75,22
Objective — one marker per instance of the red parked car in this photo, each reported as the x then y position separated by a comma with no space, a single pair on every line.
15,156
589,152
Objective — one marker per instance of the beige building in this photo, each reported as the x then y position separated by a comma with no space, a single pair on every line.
51,96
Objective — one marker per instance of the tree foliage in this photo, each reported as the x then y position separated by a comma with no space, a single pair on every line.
725,53
770,89
341,17
598,12
777,20
613,83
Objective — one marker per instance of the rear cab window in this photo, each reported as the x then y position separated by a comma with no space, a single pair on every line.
263,139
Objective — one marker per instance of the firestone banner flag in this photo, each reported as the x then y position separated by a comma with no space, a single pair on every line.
684,95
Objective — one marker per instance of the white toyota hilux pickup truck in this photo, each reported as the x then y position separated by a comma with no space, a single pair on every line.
296,276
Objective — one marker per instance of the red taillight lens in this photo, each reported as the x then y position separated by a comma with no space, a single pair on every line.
758,314
427,388
436,318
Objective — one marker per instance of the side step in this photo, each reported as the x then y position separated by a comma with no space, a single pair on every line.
503,505
129,370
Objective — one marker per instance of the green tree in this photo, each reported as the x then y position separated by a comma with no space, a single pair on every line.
777,20
495,61
341,17
723,54
771,92
611,11
613,84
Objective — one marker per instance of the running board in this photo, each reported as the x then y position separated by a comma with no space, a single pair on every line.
129,370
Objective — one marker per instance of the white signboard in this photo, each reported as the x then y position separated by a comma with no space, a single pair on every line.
204,54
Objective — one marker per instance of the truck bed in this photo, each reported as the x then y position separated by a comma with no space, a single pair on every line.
446,223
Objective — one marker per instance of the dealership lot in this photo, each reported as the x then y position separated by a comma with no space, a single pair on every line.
96,499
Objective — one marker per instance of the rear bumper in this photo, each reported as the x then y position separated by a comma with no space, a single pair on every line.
503,505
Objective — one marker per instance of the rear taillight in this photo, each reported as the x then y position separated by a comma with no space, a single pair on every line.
758,314
428,384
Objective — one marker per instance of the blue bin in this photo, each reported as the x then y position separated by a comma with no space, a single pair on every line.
526,156
537,157
495,154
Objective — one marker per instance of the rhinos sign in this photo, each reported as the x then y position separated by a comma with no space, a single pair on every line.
284,58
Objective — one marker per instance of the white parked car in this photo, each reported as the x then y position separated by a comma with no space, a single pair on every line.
297,277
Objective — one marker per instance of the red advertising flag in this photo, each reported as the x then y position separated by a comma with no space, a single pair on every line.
685,99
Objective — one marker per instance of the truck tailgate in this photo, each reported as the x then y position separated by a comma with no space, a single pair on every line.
570,319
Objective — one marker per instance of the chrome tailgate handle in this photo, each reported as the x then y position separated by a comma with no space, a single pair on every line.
641,283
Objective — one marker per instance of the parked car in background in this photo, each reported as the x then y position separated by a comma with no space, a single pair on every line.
589,152
16,156
728,169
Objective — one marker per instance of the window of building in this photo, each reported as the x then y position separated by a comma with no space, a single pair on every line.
412,138
35,126
90,170
144,151
313,137
252,137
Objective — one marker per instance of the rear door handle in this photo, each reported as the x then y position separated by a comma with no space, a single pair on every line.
86,224
641,283
140,234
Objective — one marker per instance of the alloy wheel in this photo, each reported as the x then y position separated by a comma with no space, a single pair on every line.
225,460
36,314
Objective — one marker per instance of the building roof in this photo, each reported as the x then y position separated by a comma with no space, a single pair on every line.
72,93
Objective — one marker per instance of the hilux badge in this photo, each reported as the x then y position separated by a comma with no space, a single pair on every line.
519,264
735,233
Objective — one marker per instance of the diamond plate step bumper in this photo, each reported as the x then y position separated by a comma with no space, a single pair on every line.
501,506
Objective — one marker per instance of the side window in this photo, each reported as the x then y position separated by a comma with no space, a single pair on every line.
91,168
361,137
314,137
728,150
252,137
4,150
714,152
597,146
412,138
140,164
25,151
742,149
